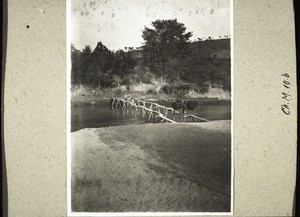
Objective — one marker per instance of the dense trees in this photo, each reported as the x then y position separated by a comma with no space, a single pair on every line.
100,67
165,46
167,53
80,65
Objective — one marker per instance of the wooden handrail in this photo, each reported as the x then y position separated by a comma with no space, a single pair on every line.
132,102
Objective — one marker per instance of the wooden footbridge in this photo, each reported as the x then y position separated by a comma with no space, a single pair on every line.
153,110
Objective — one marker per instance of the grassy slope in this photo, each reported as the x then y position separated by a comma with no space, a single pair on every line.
204,64
152,167
210,58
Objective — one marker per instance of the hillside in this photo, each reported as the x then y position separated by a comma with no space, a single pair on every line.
155,70
209,47
210,61
203,49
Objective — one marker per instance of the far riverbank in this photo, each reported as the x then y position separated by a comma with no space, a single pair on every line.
100,100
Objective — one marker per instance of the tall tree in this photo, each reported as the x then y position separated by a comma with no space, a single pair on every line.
101,63
165,44
75,71
84,62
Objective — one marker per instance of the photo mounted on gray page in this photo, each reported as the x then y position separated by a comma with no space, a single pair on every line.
151,107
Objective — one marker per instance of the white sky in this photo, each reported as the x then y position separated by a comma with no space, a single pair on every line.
119,23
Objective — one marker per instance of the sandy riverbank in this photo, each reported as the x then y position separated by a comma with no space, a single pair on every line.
152,167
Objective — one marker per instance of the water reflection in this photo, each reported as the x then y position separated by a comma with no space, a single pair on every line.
92,116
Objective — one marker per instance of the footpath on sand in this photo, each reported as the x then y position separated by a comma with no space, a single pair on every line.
184,167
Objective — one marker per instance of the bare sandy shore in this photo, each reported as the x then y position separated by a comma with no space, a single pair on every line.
183,167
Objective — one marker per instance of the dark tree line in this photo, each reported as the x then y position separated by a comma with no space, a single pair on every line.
100,67
166,53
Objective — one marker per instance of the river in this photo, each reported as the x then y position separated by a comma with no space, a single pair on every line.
94,116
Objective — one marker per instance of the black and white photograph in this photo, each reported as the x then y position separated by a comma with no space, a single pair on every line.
150,107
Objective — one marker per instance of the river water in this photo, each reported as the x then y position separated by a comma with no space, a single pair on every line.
94,116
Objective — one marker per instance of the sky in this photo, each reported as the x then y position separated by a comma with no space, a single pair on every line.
119,23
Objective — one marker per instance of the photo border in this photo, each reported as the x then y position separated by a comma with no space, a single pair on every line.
68,128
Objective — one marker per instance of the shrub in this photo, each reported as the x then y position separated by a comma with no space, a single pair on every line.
151,91
167,89
116,81
119,91
179,89
202,87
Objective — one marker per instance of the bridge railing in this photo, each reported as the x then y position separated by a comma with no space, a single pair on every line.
154,109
